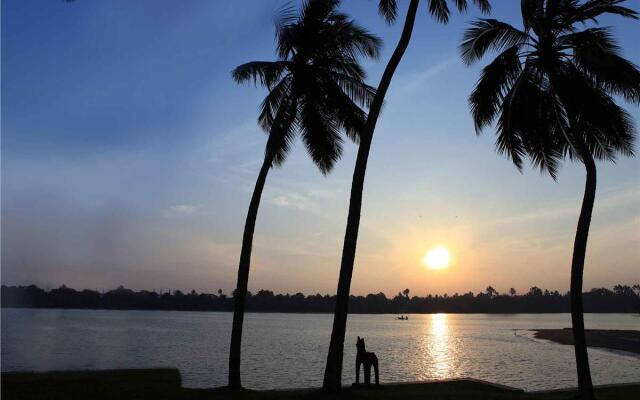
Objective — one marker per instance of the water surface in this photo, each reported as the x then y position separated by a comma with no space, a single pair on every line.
289,350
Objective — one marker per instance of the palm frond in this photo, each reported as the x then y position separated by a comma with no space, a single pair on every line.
319,132
489,34
554,12
592,9
277,96
596,54
508,141
483,5
358,91
285,22
348,115
344,66
282,133
461,5
439,10
531,11
352,40
526,127
265,73
496,78
286,16
388,9
595,114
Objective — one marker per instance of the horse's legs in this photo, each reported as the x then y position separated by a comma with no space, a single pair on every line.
357,371
367,374
375,370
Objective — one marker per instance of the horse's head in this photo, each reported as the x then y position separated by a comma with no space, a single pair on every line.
360,344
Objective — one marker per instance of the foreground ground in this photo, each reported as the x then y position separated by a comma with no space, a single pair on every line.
165,384
608,339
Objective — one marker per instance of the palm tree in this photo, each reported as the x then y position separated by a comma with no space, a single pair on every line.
316,90
389,10
551,91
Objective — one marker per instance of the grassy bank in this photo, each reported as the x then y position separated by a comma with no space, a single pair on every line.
166,384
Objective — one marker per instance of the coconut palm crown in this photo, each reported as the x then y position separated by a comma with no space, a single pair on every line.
316,86
551,87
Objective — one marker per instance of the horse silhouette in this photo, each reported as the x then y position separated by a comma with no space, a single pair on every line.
367,360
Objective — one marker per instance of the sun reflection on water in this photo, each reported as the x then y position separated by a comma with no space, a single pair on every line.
439,354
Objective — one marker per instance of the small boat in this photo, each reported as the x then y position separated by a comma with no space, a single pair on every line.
403,317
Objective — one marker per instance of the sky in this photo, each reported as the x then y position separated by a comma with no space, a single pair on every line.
129,156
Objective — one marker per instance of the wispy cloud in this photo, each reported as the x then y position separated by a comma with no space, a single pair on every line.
180,210
610,199
238,149
302,198
412,82
291,201
322,194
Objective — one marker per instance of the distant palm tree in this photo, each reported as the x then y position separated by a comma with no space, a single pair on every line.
551,91
389,10
316,90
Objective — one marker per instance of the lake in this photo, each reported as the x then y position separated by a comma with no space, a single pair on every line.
289,350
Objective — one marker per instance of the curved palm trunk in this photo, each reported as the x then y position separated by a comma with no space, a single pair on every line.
333,371
240,293
585,386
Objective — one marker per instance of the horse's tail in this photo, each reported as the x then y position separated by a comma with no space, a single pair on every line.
375,370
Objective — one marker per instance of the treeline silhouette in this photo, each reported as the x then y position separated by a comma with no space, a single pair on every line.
622,299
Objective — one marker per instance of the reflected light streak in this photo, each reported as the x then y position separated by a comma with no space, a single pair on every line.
440,350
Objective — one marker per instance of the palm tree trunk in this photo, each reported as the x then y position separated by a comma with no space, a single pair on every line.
585,386
333,371
240,293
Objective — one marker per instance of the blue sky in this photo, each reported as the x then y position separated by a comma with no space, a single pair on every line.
129,155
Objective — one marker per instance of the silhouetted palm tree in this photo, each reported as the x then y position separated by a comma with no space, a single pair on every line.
550,90
389,10
316,90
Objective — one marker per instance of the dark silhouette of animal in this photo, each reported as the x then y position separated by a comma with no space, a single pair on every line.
367,360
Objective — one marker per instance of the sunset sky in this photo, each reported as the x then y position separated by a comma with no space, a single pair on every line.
129,156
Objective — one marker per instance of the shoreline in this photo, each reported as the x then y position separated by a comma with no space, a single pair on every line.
319,312
611,339
166,383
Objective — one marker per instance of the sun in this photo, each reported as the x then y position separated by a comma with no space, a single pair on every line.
437,258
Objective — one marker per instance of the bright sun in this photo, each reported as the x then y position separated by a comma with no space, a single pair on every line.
437,258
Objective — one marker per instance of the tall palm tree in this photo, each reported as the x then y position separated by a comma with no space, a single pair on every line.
439,9
551,91
316,88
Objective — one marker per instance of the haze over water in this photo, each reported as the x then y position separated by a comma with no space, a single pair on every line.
288,350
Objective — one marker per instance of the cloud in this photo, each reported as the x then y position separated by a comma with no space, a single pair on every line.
300,197
292,200
610,199
180,210
416,80
239,148
322,194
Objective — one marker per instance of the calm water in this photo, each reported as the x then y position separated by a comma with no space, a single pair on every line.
288,350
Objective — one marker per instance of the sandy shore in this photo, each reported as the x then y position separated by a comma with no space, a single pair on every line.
608,339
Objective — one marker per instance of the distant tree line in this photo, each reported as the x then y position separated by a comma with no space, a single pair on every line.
622,299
